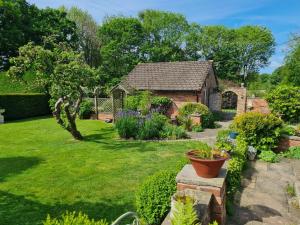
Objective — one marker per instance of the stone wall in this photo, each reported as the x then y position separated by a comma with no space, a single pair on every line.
258,105
241,92
288,141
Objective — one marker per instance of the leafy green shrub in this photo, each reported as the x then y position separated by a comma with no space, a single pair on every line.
235,167
185,213
152,126
153,196
128,124
85,110
268,156
20,106
173,132
262,131
188,109
223,141
284,101
288,130
186,122
73,219
197,128
293,153
161,104
141,102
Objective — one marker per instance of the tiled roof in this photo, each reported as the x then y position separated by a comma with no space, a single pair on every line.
188,75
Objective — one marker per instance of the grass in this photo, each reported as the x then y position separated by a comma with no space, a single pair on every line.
290,190
43,170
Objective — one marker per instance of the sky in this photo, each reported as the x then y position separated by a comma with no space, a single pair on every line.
282,17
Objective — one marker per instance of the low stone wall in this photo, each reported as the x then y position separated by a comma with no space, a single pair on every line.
287,142
103,116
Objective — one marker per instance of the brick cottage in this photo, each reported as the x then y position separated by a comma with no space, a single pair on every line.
190,81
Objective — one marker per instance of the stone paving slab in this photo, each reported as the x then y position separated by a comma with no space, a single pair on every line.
263,199
188,175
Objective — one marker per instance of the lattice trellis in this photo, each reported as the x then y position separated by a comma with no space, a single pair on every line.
105,105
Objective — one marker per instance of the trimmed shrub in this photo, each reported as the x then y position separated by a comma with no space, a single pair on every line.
85,110
284,101
127,124
235,167
152,126
20,106
73,218
262,131
188,109
173,132
153,196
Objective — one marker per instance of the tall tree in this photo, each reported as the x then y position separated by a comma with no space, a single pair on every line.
121,39
87,29
66,74
21,22
165,33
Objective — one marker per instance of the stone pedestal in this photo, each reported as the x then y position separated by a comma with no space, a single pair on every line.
1,116
188,179
196,119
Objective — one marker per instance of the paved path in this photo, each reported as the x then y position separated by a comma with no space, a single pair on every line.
263,200
209,135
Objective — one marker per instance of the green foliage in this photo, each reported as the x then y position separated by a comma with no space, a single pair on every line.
262,131
268,156
8,86
288,130
288,110
85,109
207,118
153,196
23,22
290,190
152,126
184,213
121,39
164,35
235,167
62,72
197,128
88,40
128,126
173,132
73,218
293,153
223,142
161,103
141,102
19,106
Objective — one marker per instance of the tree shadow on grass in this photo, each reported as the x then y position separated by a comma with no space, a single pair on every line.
14,165
18,210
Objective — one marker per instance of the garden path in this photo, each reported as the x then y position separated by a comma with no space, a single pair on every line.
209,135
263,199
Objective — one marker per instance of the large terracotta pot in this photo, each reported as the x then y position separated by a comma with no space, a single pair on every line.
207,168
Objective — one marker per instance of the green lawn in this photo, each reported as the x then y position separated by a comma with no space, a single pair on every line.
43,170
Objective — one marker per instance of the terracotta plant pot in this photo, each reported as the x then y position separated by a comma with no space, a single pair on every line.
207,168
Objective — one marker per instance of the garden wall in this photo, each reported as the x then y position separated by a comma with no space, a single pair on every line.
288,141
20,106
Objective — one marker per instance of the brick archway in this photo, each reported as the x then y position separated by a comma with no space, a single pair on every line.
241,93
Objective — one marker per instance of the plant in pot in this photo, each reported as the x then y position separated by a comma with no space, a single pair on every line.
207,162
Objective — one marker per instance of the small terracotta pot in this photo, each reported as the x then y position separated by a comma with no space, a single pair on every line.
207,168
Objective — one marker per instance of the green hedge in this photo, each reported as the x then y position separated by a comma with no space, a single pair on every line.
20,106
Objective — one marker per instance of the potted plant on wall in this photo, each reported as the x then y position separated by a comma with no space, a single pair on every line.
207,162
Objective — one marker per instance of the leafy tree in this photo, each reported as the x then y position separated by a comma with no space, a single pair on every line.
237,53
87,28
256,46
121,39
21,22
284,101
293,65
165,32
64,72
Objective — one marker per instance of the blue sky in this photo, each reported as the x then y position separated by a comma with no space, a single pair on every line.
281,16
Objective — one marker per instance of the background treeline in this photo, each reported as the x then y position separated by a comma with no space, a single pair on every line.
120,42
